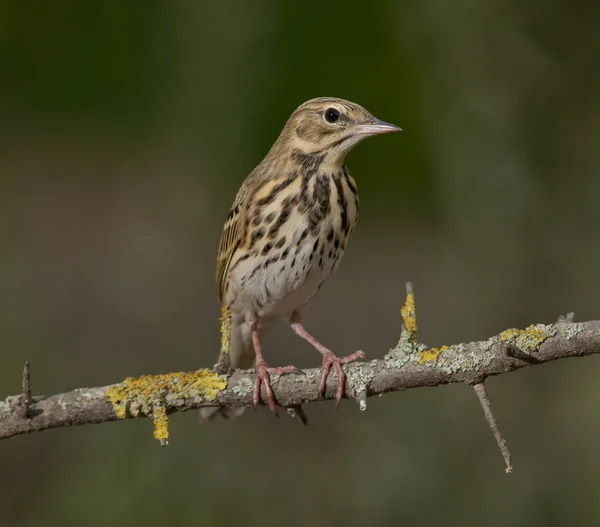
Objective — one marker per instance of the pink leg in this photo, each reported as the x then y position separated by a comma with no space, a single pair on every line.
329,360
263,371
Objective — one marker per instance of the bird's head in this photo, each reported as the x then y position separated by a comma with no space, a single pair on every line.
331,126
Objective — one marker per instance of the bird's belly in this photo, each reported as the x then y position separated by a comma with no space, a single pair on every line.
294,291
276,290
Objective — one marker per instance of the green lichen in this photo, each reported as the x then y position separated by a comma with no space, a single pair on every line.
463,357
571,330
398,356
360,374
243,388
9,404
146,395
358,379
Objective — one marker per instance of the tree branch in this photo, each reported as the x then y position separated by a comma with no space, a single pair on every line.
408,365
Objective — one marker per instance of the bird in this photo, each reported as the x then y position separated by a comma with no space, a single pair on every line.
286,233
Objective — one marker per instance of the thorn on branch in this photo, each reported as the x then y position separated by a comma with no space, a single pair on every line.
26,397
516,353
359,394
484,400
297,412
569,317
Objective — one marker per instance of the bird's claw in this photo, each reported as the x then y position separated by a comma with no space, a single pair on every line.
329,360
263,373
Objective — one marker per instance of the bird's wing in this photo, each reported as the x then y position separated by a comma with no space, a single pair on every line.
230,240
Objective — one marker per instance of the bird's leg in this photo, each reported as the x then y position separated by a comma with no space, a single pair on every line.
263,372
329,360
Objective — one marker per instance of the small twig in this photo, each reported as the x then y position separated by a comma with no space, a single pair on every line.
361,398
409,317
491,419
27,400
516,353
223,364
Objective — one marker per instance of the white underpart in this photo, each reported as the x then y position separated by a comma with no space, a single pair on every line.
281,288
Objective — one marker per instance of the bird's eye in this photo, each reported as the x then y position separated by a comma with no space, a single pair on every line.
331,115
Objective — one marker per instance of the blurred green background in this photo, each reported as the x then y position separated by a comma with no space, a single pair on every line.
125,131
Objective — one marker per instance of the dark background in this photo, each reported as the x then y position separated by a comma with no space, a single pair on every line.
125,131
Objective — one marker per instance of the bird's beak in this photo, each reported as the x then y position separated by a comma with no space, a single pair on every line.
376,127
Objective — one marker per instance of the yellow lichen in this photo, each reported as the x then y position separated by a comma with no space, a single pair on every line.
409,316
145,395
225,329
431,355
115,396
161,425
525,339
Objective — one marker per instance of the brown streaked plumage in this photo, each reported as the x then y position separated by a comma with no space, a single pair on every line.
287,230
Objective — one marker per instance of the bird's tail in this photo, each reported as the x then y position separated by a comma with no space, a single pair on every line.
241,356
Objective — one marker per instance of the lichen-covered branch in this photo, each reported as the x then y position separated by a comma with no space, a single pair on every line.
408,365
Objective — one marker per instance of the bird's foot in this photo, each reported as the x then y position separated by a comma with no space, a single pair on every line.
263,373
329,361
